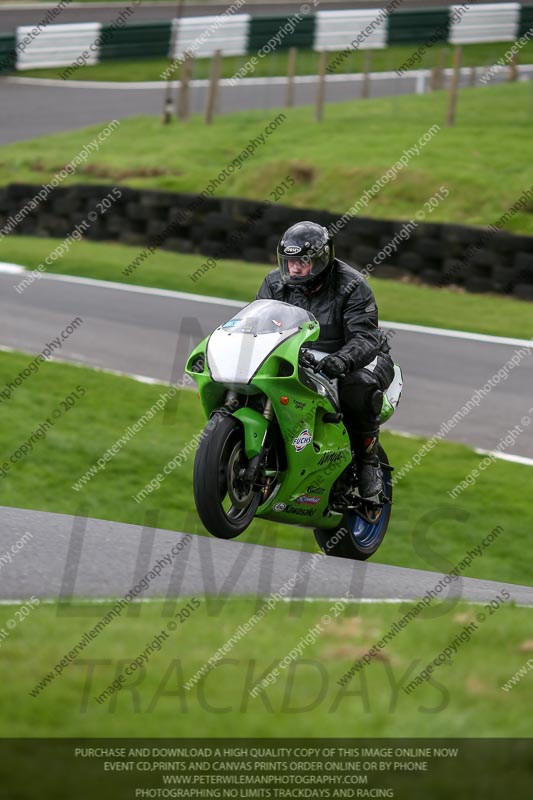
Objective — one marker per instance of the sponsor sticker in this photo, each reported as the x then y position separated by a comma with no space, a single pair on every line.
315,489
308,499
280,507
302,440
231,323
292,249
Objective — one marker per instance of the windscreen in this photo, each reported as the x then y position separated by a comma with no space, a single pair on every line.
267,316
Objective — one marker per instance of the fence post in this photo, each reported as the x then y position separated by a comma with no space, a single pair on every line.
213,87
183,96
452,96
291,72
513,68
365,89
321,89
167,107
437,75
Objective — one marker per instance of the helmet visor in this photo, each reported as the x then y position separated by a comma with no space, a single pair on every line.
301,269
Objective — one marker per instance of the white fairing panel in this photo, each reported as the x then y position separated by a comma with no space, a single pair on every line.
394,392
236,357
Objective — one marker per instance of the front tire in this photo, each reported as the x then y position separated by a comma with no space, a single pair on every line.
225,505
355,538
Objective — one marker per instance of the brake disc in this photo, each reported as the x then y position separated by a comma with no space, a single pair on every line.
239,493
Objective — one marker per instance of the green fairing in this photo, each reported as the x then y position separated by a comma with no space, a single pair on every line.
317,452
387,410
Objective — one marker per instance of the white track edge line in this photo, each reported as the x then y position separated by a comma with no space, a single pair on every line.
515,459
148,600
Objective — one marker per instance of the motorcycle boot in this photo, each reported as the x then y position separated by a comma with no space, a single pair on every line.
369,472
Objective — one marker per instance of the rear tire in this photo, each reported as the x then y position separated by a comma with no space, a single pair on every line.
225,506
355,538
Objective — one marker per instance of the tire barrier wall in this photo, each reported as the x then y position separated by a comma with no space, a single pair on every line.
477,259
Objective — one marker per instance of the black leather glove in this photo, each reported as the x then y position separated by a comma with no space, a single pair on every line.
333,366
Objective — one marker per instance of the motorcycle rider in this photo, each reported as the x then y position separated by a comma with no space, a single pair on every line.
311,277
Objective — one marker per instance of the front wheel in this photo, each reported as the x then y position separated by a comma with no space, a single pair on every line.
355,538
225,504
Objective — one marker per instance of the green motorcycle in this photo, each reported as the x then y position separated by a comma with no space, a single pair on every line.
275,446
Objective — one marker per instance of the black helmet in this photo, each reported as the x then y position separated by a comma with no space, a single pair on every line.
309,244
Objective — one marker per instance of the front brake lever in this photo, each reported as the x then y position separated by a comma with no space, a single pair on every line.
307,360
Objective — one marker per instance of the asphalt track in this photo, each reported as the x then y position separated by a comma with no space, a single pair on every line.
149,332
31,107
74,557
25,14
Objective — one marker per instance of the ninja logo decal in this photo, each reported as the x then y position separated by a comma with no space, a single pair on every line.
331,457
302,440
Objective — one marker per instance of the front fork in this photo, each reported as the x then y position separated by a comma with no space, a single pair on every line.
251,473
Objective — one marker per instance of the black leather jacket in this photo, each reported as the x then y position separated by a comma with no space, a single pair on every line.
345,308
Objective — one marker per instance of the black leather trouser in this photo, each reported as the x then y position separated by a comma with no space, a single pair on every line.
361,397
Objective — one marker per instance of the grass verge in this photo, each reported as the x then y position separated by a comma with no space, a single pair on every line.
463,697
428,531
401,302
275,64
483,177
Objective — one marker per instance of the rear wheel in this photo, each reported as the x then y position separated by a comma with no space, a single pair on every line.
226,504
356,538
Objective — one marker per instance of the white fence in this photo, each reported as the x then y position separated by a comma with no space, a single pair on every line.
204,35
336,30
485,23
58,45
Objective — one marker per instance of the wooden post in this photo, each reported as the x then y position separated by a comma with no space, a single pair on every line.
213,87
291,72
167,105
321,89
365,89
454,84
183,96
513,68
437,75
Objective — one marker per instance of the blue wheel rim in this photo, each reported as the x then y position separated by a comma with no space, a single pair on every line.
366,534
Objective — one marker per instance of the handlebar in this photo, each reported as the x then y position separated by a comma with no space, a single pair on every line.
307,359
